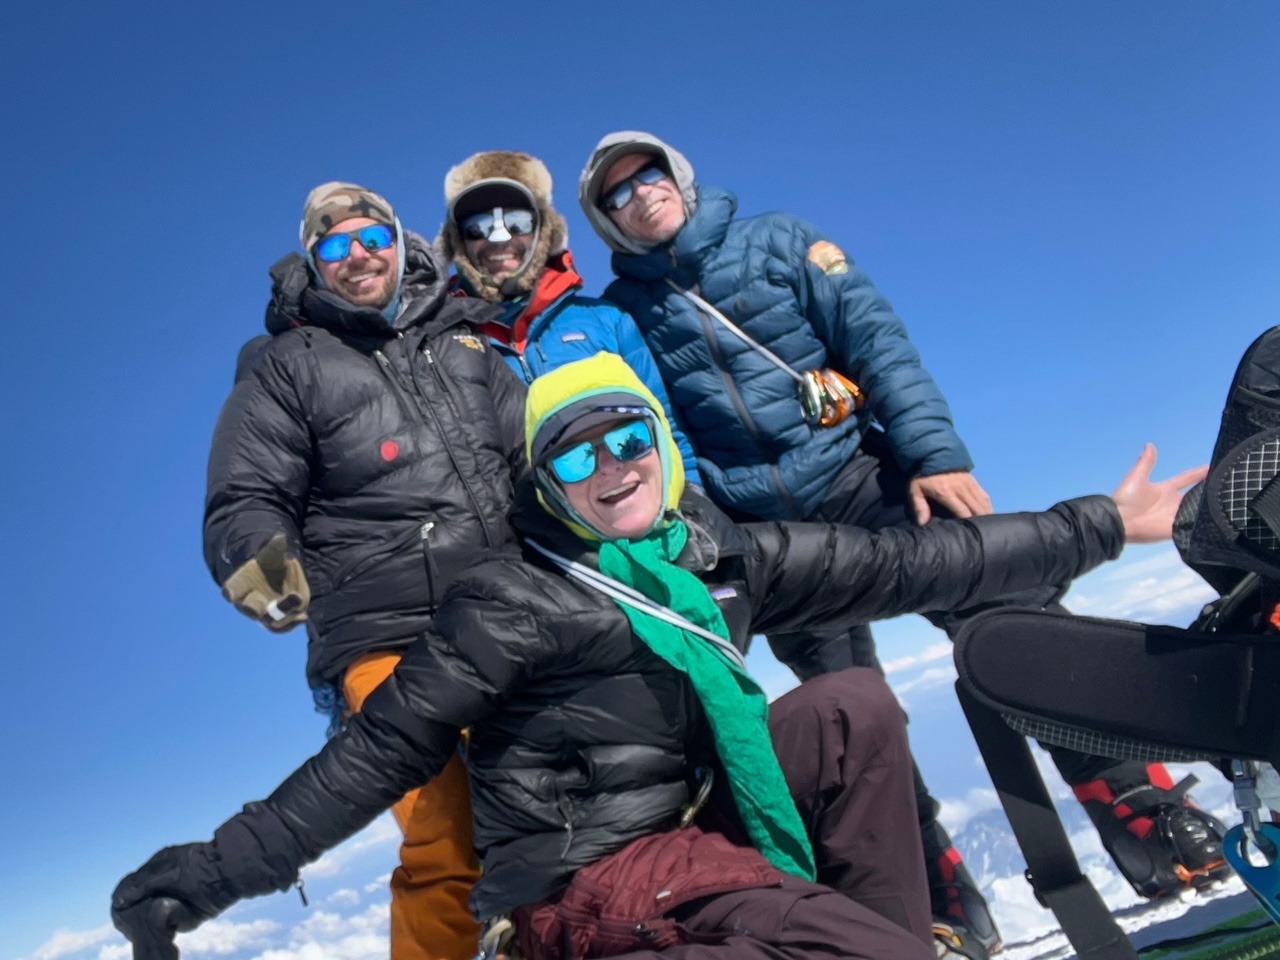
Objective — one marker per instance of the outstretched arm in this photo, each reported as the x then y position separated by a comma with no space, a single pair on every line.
403,736
829,576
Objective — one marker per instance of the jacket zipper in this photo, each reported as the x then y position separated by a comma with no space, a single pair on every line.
448,399
730,387
426,560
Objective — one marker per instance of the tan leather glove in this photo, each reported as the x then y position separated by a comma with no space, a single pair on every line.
271,588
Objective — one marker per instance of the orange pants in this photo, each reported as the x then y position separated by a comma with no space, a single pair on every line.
429,890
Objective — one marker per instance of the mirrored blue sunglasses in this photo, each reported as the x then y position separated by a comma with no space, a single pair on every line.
337,246
631,441
621,195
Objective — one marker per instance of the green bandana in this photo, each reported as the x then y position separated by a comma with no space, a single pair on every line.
734,703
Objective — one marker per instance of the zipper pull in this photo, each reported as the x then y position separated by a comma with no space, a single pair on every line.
302,892
426,352
382,358
427,528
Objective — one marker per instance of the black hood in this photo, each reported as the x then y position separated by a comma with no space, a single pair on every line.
297,301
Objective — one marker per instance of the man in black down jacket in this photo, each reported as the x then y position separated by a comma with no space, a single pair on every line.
367,451
585,741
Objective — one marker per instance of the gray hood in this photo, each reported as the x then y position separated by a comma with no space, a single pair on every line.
610,148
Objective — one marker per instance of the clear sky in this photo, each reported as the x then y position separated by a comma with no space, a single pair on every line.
1074,207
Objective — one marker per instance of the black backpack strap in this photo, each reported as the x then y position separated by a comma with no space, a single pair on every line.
1052,867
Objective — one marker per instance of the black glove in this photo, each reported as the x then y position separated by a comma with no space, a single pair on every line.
181,887
173,892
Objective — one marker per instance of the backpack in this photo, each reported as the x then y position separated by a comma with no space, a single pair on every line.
1138,692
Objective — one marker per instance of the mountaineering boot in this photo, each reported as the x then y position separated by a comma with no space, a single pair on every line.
1158,838
962,922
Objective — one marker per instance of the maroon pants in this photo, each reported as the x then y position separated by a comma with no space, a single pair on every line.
841,739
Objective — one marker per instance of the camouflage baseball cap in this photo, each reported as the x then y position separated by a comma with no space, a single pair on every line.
336,201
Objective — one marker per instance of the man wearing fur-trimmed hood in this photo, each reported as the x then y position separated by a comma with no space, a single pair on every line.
508,245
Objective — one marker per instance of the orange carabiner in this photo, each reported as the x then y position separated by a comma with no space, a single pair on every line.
841,397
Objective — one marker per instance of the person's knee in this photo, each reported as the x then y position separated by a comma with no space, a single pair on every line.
869,712
859,696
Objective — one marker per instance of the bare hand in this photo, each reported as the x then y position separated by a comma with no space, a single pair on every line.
1147,509
957,491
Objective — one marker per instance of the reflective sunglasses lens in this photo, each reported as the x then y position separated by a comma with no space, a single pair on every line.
649,175
519,222
478,227
631,441
575,464
334,248
619,196
375,237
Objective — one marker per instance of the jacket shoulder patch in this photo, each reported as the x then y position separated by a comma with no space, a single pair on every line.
468,340
828,258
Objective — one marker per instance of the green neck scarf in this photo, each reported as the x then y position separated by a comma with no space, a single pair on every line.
734,703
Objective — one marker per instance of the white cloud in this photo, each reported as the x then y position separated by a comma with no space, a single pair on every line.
65,942
1156,588
927,680
956,812
329,936
378,884
345,897
116,951
938,651
382,832
220,938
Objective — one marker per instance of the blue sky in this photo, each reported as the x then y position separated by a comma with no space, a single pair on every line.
1074,208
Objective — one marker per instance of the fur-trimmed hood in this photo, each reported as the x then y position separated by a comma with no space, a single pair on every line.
521,172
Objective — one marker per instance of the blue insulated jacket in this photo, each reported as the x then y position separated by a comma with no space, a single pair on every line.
576,327
756,452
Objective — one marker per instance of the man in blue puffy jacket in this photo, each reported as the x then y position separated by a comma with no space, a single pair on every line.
508,246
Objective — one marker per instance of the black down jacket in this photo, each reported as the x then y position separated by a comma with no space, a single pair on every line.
385,453
582,739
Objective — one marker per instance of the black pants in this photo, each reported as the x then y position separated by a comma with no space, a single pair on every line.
871,492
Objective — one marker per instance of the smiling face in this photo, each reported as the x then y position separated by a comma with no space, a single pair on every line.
499,259
362,278
622,499
656,211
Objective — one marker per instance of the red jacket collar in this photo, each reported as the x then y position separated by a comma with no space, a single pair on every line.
558,278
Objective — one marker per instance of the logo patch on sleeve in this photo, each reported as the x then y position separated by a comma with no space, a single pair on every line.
467,340
828,258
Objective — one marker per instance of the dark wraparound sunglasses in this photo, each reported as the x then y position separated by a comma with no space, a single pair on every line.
621,195
337,246
497,222
631,441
